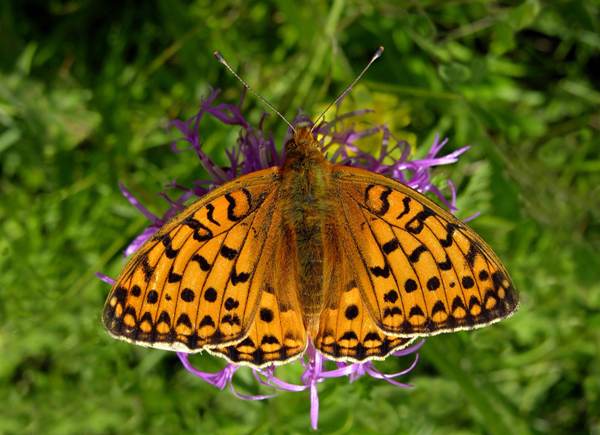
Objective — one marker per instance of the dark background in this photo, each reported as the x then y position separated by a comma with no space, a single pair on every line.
86,90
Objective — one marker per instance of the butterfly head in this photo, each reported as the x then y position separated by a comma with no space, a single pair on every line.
303,144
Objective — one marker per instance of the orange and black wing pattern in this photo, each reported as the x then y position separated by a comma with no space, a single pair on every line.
197,283
276,334
422,272
346,330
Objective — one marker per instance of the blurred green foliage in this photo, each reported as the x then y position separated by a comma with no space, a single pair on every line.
86,89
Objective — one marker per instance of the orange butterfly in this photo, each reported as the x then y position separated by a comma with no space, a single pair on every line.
353,261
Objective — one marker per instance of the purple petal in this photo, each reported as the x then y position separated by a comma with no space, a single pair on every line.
250,396
141,239
273,381
314,406
107,279
410,349
134,201
219,379
471,217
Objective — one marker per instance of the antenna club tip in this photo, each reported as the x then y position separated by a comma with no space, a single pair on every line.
378,53
217,54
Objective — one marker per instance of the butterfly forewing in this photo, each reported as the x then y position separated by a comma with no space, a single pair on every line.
422,271
195,284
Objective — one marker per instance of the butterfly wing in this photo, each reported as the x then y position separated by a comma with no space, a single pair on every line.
196,283
347,331
277,333
422,272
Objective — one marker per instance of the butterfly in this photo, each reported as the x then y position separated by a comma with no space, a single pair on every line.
355,262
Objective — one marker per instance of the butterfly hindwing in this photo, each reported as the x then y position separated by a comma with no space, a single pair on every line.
195,283
277,332
424,272
346,330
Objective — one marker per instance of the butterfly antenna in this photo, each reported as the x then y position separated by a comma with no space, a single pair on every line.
222,60
376,56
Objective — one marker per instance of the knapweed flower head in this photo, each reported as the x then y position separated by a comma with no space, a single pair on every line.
256,149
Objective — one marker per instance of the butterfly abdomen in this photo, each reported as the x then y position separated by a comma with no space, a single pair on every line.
304,189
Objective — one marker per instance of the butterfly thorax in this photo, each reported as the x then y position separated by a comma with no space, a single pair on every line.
305,182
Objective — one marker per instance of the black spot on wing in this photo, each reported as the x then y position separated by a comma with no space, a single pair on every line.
202,262
210,295
372,336
349,335
136,291
152,297
383,272
467,282
433,283
392,312
391,296
269,339
201,232
414,256
450,228
410,285
232,203
490,294
246,342
473,302
446,264
228,252
173,277
416,311
184,319
169,251
438,307
417,223
390,246
232,319
351,312
131,311
210,209
187,295
206,321
498,279
457,303
383,197
147,269
266,315
472,253
164,318
147,317
238,277
405,202
231,304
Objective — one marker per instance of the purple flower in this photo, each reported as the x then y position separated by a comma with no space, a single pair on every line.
255,149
